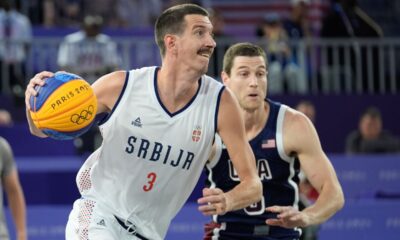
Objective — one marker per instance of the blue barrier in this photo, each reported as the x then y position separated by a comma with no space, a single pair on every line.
375,219
51,180
366,220
24,143
368,182
368,176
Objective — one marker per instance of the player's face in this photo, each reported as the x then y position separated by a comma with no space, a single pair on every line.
248,81
196,44
370,127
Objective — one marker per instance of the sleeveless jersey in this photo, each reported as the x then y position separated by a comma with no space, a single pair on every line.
150,159
277,171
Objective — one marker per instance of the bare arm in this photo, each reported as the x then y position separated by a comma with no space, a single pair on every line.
107,89
249,190
16,203
300,137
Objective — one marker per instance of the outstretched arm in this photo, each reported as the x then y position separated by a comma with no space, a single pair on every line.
249,190
301,138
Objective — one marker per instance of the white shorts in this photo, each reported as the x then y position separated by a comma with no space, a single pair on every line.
88,220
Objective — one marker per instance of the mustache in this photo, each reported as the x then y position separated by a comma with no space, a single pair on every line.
206,50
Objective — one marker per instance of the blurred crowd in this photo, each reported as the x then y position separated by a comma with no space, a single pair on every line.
89,52
115,13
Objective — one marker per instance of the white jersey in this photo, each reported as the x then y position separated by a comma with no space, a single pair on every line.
150,159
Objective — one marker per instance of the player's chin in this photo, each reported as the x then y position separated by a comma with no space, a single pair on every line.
204,69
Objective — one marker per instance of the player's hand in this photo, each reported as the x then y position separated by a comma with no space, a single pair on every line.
213,202
288,217
38,79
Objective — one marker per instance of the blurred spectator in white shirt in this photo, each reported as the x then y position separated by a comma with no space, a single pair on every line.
88,52
15,39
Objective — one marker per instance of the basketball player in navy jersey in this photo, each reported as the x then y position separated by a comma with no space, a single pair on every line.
157,138
282,140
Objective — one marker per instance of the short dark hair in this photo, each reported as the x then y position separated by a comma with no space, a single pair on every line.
372,112
171,21
245,49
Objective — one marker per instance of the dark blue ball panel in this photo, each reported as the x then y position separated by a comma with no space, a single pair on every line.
50,86
66,135
66,77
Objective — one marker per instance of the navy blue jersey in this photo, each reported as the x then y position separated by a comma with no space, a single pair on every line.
277,171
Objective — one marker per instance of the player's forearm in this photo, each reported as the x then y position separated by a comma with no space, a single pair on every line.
330,201
246,193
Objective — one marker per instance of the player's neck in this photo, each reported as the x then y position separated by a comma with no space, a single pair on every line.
175,88
255,120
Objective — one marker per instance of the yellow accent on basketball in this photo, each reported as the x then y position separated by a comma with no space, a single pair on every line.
71,107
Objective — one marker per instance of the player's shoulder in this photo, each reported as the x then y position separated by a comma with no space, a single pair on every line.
103,38
108,88
296,120
74,37
110,81
293,115
147,69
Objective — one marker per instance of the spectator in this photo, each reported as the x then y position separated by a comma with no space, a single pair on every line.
62,13
15,39
347,20
105,8
297,25
138,13
5,118
15,196
298,28
283,72
308,108
370,138
90,54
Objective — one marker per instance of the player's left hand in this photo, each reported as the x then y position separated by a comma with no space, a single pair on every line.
287,217
213,202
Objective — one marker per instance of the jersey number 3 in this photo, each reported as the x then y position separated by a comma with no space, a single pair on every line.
150,183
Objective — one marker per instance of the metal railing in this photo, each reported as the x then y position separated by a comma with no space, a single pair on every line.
339,66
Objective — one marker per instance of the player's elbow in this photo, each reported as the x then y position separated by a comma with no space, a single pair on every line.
339,199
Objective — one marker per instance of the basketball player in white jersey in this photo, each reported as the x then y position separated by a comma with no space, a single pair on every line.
157,137
282,140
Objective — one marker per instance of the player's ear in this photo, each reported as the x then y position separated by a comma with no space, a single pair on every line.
225,77
170,43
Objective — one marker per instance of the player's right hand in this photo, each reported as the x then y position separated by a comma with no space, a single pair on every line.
38,79
213,202
287,217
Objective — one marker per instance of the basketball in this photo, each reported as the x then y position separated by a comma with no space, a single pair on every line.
65,107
